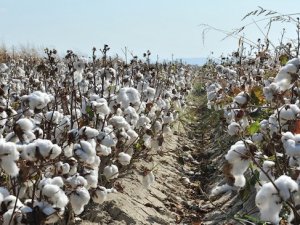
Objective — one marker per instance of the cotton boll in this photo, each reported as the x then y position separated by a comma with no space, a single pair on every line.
77,181
10,168
147,140
62,168
25,124
267,168
128,95
78,199
100,195
111,172
242,98
148,179
131,115
100,106
288,112
234,128
124,158
55,196
143,121
133,137
286,186
168,118
91,177
88,132
68,150
54,116
47,149
38,100
77,77
119,122
257,137
268,203
58,181
157,126
103,150
17,217
85,152
10,201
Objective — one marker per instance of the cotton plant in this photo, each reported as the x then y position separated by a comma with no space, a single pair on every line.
68,135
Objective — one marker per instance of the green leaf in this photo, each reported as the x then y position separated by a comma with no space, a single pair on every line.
90,111
253,128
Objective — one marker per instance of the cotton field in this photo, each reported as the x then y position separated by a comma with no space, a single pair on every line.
71,125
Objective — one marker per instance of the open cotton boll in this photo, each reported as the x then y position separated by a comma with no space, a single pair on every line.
268,203
168,118
103,150
47,149
100,106
128,95
124,158
55,196
78,199
288,112
54,116
133,137
68,150
107,139
91,177
119,122
234,128
286,186
100,195
77,181
242,98
267,168
131,115
143,122
17,215
38,99
88,132
111,172
85,152
148,179
25,124
270,91
9,202
257,137
149,93
77,77
62,168
8,155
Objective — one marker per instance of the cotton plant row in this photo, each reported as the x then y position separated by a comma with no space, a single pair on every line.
262,113
70,126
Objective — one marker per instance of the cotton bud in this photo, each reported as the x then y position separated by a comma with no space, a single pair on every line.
148,179
124,158
111,172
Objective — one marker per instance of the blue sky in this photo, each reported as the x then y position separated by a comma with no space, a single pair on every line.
165,27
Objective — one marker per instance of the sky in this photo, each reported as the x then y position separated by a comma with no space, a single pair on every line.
165,27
